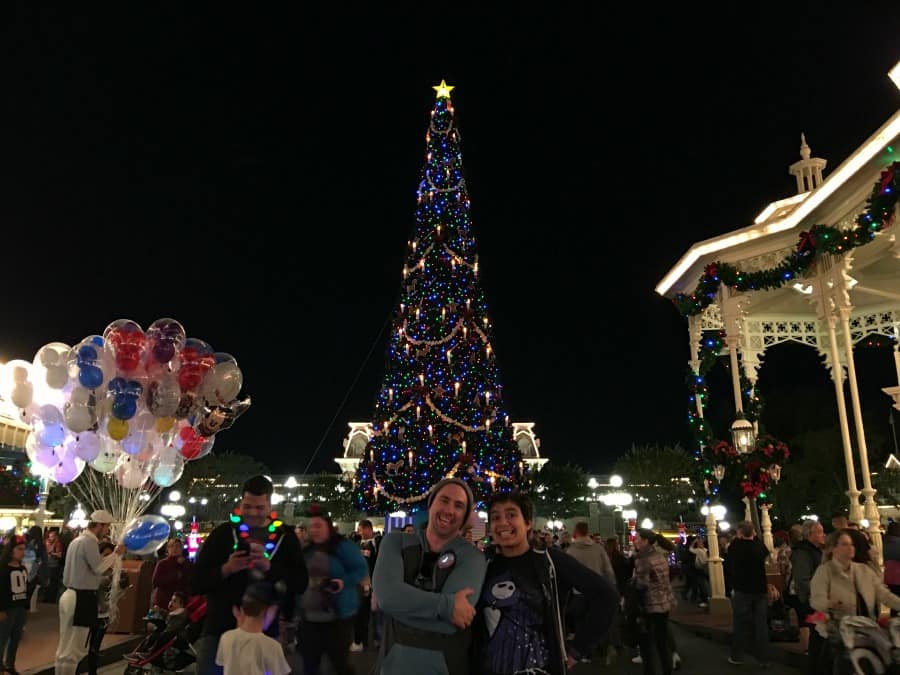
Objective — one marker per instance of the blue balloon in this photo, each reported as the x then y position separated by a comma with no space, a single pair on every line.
89,376
124,407
86,355
146,534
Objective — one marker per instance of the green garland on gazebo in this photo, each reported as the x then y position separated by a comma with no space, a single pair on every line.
819,239
757,469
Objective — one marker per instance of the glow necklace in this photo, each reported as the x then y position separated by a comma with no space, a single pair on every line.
271,524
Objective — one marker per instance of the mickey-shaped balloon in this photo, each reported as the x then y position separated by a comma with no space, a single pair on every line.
127,340
50,363
89,362
126,394
213,419
163,395
197,358
80,410
17,386
165,339
223,383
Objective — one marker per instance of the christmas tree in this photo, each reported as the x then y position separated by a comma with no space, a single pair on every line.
439,411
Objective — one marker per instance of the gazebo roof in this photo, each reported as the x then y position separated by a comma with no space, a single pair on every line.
775,231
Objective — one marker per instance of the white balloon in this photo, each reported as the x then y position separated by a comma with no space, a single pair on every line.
57,377
106,460
46,456
134,442
14,372
68,469
22,394
223,383
78,417
87,446
50,415
80,396
142,421
167,469
131,473
50,365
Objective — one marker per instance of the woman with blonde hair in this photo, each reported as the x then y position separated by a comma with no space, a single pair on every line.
841,587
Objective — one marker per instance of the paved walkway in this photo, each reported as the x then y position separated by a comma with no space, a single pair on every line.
717,627
695,627
38,647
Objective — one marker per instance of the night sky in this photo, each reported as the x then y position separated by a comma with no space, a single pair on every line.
253,175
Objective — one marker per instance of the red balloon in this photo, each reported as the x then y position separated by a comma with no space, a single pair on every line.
192,448
128,358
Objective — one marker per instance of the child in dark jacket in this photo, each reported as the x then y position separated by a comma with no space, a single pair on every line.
13,600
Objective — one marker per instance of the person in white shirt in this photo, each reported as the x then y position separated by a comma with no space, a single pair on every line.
247,650
78,610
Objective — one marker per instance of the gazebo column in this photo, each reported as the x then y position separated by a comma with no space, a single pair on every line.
825,310
842,300
718,602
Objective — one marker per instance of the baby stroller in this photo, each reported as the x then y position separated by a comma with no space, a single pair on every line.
863,647
168,651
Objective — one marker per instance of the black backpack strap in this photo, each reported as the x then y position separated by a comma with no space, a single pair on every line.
411,551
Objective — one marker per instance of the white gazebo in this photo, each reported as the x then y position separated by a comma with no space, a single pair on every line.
830,304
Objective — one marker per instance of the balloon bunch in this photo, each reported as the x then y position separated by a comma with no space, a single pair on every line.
137,404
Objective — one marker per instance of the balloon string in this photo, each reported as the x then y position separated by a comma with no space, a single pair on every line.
375,343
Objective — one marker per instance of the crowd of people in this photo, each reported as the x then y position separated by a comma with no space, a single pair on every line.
432,597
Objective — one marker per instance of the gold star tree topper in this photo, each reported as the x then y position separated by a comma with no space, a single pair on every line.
443,89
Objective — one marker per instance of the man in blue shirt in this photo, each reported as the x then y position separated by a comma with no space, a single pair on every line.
427,583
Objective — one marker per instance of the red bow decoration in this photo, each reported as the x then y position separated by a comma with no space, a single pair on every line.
807,242
712,271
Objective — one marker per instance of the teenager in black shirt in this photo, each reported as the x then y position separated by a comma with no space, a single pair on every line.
522,601
13,600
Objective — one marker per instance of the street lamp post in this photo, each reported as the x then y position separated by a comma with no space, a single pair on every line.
718,602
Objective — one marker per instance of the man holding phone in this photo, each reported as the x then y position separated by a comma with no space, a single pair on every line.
237,553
